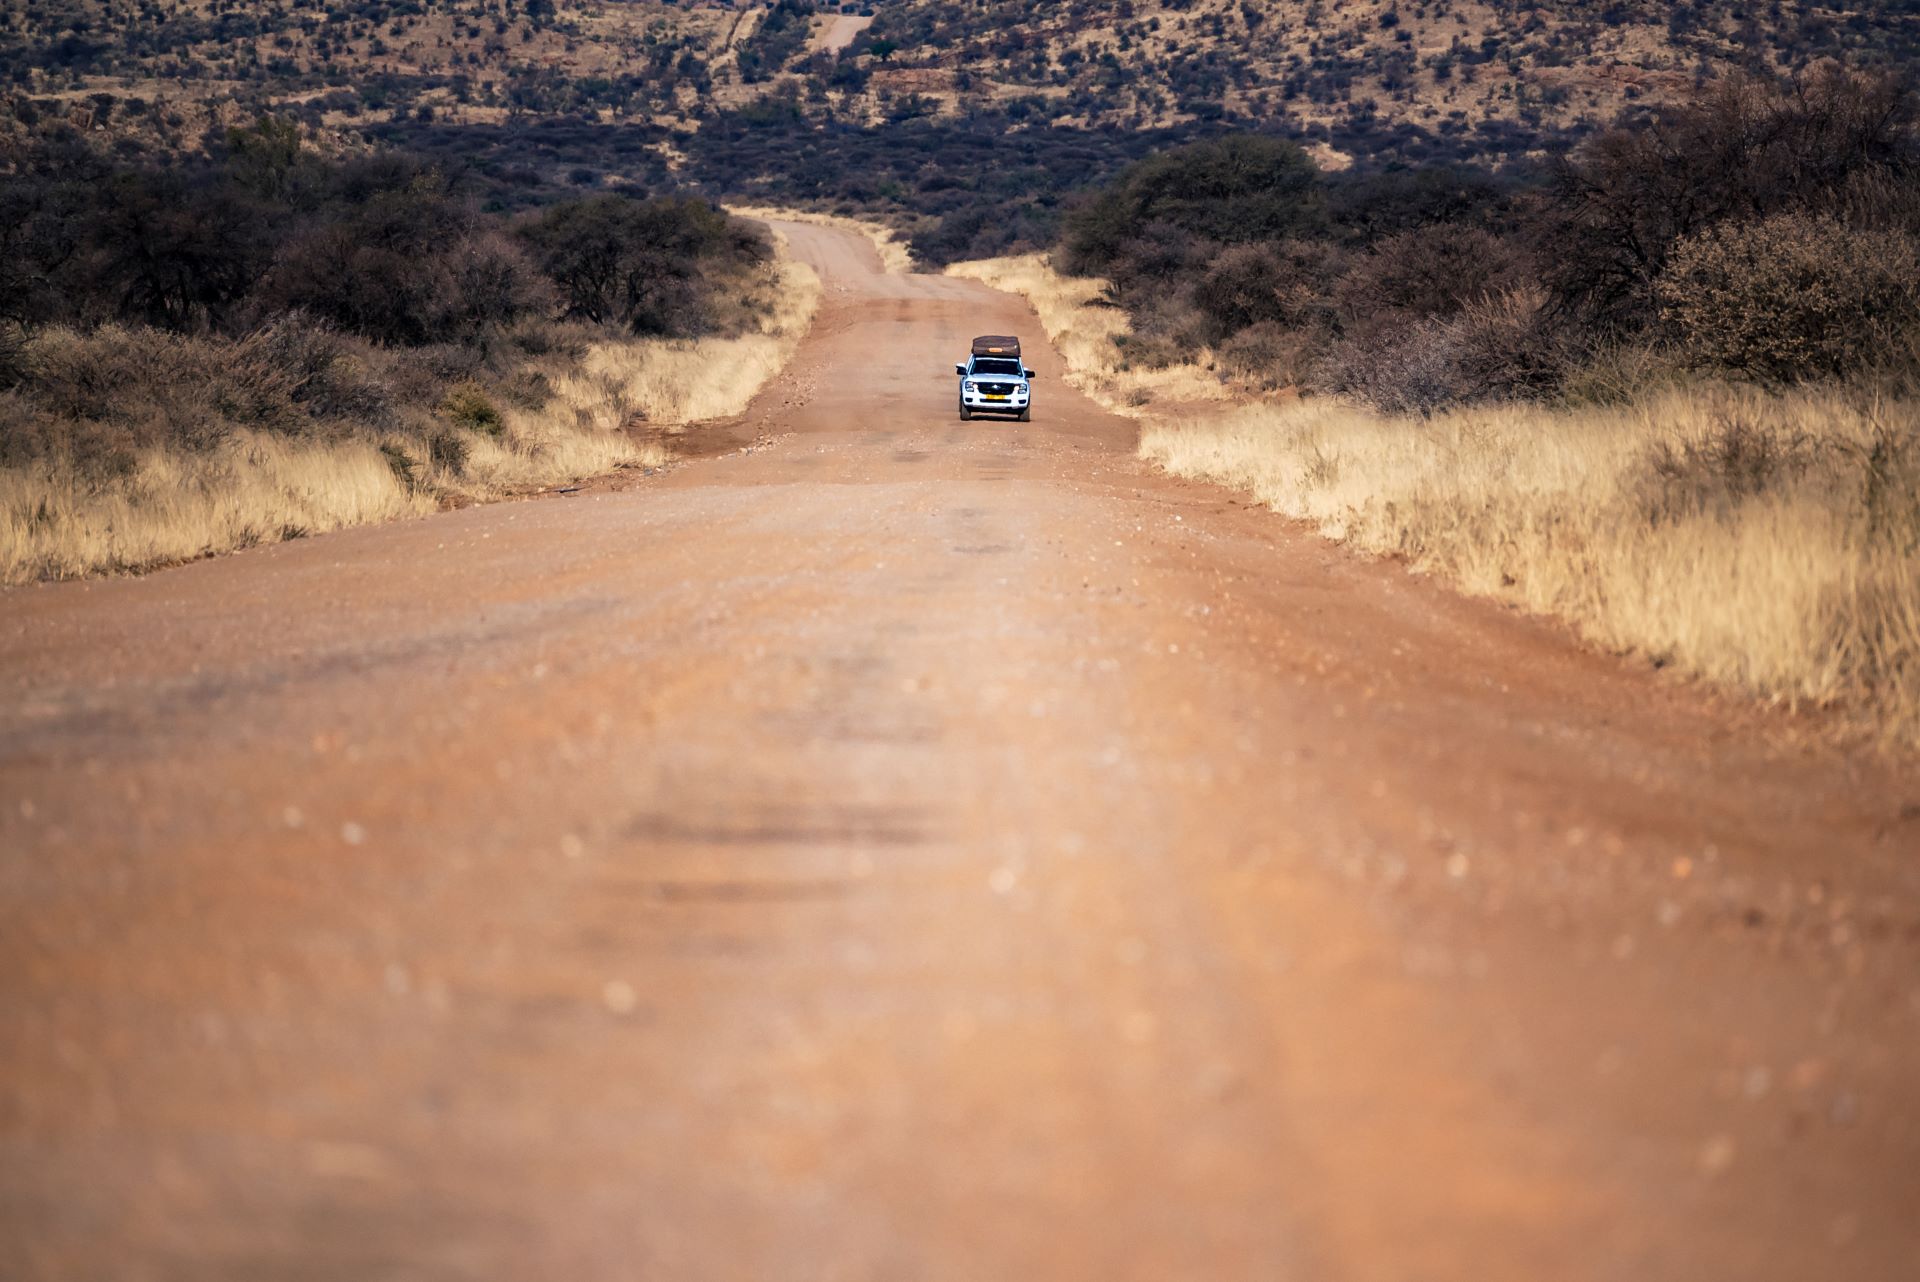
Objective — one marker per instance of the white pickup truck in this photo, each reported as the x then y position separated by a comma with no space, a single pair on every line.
994,380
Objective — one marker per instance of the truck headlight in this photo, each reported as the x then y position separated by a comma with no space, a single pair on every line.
969,385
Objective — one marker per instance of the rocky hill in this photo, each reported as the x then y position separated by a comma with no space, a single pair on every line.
1504,71
1354,76
881,108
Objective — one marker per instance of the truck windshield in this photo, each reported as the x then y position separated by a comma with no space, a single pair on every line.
993,365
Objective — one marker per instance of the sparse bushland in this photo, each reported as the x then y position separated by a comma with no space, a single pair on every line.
1761,229
380,347
115,495
1706,451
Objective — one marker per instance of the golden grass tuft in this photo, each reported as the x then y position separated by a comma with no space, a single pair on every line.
1770,543
1083,327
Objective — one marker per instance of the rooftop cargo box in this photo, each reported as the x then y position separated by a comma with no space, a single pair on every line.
997,345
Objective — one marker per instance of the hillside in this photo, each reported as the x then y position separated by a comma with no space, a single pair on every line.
882,110
1360,78
1491,75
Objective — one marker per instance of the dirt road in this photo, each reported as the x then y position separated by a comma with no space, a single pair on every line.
906,849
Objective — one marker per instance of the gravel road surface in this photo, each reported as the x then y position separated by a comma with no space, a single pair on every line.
891,848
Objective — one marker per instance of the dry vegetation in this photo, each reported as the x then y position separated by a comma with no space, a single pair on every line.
174,500
1769,542
1353,68
1766,540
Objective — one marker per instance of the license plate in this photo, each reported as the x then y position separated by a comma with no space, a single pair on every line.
991,397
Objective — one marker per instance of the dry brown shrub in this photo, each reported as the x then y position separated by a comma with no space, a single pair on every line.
1271,356
1429,273
1501,348
1286,283
1792,296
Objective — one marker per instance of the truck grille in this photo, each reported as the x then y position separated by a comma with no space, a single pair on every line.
996,389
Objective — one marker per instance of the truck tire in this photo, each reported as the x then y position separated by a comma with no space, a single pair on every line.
1026,415
966,414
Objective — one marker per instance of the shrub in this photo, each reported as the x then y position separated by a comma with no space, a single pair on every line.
1791,296
1277,284
161,388
1739,458
469,406
650,266
448,450
1271,356
13,354
1240,188
1744,149
331,379
1410,370
1428,273
1502,348
410,266
164,250
1508,347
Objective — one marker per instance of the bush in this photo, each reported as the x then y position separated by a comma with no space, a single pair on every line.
163,387
1503,348
1272,356
1244,187
1733,461
333,379
469,406
650,266
1508,347
1429,273
1745,149
1411,370
412,266
1791,296
13,354
1278,284
166,251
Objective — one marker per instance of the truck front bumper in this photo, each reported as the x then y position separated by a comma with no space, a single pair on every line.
1017,400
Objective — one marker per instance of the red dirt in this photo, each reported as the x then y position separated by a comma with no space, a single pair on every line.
922,850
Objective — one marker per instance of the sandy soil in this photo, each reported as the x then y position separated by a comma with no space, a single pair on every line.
840,31
893,848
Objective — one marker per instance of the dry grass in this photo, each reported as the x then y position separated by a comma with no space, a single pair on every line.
1083,327
894,254
176,506
695,380
1767,543
59,520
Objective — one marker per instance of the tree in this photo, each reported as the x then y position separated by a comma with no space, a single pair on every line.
1246,187
1743,150
647,265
